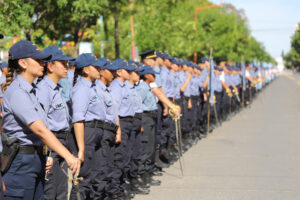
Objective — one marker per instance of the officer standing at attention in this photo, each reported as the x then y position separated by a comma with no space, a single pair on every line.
125,107
147,161
164,102
111,131
49,95
134,141
88,114
25,120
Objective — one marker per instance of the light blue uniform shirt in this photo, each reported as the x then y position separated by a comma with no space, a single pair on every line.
135,98
148,98
2,79
187,92
121,95
174,83
49,95
201,79
20,108
111,110
67,84
158,79
228,79
86,103
180,78
194,86
217,83
166,82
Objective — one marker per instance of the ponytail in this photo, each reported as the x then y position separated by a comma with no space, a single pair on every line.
78,72
13,68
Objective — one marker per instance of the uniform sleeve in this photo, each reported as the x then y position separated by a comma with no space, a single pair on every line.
23,108
80,101
153,85
141,91
247,74
158,80
222,77
66,88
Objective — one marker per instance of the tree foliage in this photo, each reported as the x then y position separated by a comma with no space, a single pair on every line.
292,58
165,25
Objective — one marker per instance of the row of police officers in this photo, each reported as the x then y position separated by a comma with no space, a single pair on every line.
113,125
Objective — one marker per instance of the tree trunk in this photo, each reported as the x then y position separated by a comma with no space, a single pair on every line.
105,28
117,43
28,35
76,41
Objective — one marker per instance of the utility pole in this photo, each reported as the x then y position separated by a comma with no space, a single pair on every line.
133,56
196,16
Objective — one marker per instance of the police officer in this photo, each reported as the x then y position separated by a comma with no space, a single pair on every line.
164,102
126,112
88,115
25,119
134,141
149,125
49,95
111,134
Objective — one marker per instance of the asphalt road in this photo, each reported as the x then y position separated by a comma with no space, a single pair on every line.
254,156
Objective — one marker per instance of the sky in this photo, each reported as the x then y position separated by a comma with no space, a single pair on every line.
272,22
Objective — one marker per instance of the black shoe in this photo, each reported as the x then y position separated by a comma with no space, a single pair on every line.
142,184
156,173
119,196
154,182
139,190
161,164
128,195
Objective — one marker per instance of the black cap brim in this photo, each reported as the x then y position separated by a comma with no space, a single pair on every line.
41,56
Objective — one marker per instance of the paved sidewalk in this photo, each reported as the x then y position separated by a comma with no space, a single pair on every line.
255,156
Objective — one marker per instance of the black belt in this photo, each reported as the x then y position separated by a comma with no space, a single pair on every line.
127,119
94,124
194,97
110,127
61,134
178,101
29,149
185,98
152,114
138,115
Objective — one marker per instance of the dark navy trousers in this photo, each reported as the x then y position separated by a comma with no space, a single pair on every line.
57,185
121,158
92,138
147,162
25,178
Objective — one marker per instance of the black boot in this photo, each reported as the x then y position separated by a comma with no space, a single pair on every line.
136,187
148,178
142,183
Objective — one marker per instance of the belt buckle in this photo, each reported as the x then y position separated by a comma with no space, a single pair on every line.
45,150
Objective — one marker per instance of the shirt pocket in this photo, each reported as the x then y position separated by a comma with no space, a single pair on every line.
59,111
96,104
125,100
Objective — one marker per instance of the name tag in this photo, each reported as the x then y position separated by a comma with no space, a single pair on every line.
59,105
94,98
